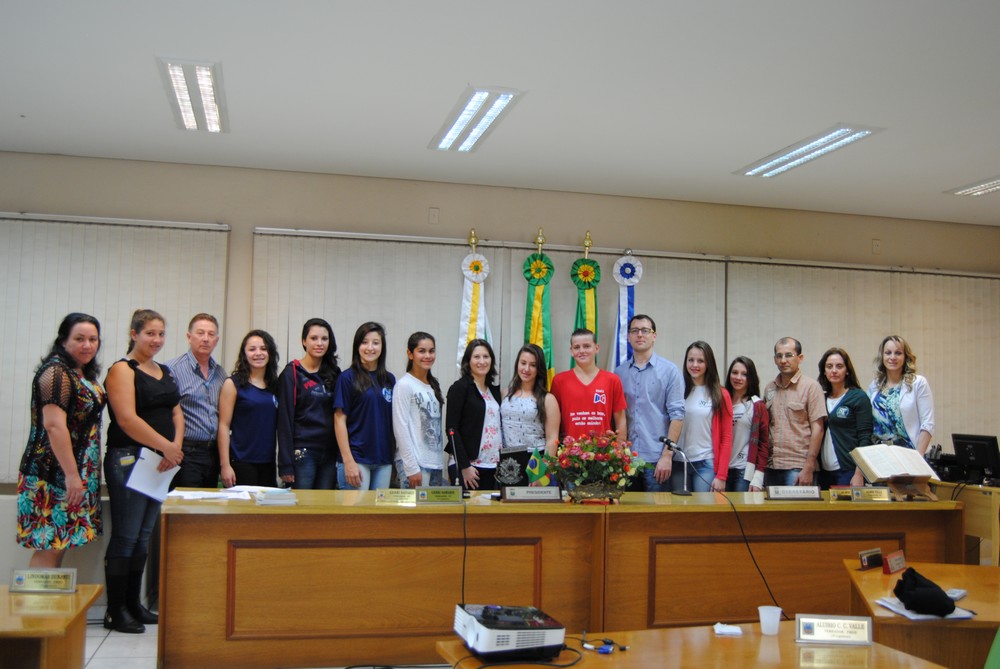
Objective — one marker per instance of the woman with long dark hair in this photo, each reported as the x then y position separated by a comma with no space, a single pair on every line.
473,419
751,428
416,417
307,445
145,410
848,422
59,480
248,414
707,436
362,404
529,413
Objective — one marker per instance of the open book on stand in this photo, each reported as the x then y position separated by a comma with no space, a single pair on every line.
902,469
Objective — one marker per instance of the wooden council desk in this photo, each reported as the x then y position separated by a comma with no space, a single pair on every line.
953,643
982,513
45,630
337,580
700,647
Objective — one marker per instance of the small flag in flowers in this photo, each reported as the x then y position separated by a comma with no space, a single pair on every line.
473,323
537,470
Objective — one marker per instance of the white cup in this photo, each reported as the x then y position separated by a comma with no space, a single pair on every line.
770,616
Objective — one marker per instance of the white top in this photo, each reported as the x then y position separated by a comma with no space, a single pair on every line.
521,427
742,422
696,434
416,423
827,452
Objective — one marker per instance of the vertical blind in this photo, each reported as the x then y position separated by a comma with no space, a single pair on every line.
49,269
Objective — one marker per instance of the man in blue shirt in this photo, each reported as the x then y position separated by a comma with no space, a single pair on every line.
654,393
199,378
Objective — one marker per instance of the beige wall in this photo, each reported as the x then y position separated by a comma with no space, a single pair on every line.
244,199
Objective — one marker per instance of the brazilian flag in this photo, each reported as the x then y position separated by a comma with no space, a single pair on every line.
538,470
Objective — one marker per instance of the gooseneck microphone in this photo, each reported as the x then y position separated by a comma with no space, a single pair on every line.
454,453
669,444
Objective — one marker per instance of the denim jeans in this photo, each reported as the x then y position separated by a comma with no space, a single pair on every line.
133,515
835,477
649,483
373,477
781,476
431,477
700,475
736,482
315,469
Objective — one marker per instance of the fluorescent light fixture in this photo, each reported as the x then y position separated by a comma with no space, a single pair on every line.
991,185
477,112
808,149
195,93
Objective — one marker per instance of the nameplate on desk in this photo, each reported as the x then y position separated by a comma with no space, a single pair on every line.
451,494
395,497
834,657
43,580
893,562
840,493
850,630
531,494
870,558
793,492
870,494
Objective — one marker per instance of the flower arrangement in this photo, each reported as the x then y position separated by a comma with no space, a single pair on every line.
595,458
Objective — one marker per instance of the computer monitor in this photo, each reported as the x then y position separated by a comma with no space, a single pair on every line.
979,454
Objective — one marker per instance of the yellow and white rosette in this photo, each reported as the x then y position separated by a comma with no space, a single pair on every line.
473,323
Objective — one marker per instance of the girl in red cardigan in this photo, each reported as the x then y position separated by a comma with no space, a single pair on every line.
707,436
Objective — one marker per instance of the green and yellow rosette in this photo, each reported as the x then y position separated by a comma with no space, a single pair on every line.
538,270
586,274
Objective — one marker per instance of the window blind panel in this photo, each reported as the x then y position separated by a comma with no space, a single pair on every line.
50,269
821,307
951,323
406,286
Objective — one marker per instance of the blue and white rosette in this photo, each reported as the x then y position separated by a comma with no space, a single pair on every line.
473,324
627,272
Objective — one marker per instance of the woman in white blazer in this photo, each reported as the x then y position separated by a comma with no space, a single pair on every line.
902,404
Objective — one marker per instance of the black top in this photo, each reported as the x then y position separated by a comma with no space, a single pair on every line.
466,412
155,400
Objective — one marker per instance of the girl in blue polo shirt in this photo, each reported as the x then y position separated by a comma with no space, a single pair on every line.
362,403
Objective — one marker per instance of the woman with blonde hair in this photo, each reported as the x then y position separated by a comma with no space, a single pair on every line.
902,403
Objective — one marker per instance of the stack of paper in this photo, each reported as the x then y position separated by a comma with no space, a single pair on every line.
896,606
275,497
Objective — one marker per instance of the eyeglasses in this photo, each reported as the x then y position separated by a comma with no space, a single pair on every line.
785,356
642,331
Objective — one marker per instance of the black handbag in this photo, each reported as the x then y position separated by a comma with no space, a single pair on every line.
919,593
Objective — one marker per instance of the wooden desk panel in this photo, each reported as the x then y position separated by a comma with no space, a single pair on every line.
982,513
44,630
699,647
688,563
953,643
327,583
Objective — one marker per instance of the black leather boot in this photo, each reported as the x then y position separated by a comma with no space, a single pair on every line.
117,616
133,595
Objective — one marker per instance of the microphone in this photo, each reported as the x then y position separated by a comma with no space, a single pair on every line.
672,447
454,452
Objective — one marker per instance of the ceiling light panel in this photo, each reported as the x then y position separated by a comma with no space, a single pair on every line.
195,93
807,150
991,185
477,112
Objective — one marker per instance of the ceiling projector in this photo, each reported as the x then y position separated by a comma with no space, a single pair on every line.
508,632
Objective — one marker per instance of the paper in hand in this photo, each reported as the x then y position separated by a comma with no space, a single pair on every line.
146,479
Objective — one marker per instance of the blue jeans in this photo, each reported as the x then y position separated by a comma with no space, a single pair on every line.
835,477
700,475
736,482
373,477
649,483
431,477
133,515
781,476
315,469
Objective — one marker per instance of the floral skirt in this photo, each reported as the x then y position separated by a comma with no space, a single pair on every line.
44,522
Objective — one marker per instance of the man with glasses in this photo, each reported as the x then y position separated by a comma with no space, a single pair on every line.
798,409
654,395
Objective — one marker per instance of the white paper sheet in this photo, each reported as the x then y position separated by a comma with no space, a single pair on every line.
145,478
896,606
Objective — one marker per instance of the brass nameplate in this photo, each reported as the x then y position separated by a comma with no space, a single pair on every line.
35,604
867,494
793,492
395,497
439,495
43,580
850,630
531,494
840,494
